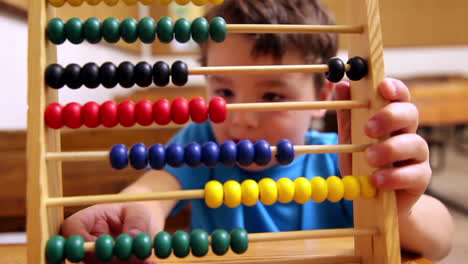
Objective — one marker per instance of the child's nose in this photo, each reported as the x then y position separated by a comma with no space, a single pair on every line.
244,119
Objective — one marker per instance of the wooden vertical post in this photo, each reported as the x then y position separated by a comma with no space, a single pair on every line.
44,179
381,212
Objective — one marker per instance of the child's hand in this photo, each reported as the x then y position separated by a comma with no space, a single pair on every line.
402,158
112,219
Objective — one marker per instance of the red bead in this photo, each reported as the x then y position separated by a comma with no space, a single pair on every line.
198,110
126,113
53,116
90,114
217,109
71,115
180,111
162,112
144,112
108,114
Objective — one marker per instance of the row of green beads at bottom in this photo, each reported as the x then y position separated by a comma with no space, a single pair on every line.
124,246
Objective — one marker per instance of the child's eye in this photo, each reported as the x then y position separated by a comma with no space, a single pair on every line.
225,93
273,97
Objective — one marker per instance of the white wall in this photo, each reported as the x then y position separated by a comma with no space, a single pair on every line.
13,67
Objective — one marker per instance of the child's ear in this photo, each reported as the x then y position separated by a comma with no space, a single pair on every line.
325,94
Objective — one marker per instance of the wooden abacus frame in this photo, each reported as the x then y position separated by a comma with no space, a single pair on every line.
375,221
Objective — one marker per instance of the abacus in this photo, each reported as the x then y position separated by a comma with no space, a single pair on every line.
375,226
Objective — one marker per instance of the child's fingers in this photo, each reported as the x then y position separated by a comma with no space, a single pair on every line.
137,218
394,118
394,90
342,92
412,178
405,147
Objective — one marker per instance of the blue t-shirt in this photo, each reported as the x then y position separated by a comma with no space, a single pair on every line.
260,217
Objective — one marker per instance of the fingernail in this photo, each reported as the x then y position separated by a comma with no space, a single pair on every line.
394,89
379,179
371,156
372,126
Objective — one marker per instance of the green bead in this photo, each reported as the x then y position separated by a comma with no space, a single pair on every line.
220,241
200,30
74,248
182,30
163,245
74,30
142,246
111,30
56,31
123,247
239,240
92,30
199,242
165,30
104,248
128,30
147,30
181,244
55,249
218,31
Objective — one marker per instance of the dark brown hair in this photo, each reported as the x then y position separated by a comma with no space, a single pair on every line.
317,48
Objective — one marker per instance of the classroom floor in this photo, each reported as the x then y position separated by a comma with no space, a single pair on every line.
451,183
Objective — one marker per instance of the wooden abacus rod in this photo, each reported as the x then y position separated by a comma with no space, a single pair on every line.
303,149
304,29
290,106
293,235
261,69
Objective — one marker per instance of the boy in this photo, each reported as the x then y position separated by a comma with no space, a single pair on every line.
425,224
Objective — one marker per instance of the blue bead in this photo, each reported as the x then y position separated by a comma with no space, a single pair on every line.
245,152
262,152
228,153
193,154
175,155
139,156
285,152
157,156
210,154
119,156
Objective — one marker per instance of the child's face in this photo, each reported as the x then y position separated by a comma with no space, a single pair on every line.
271,126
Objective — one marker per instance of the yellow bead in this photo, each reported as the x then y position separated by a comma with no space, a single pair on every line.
75,2
285,190
146,2
319,189
352,188
368,190
57,3
335,189
164,2
199,2
216,2
268,191
302,190
182,2
250,192
214,194
232,194
93,2
111,2
130,2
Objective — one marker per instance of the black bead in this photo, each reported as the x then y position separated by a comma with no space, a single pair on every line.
179,73
90,75
71,76
108,75
358,68
336,70
125,74
54,76
143,74
161,73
